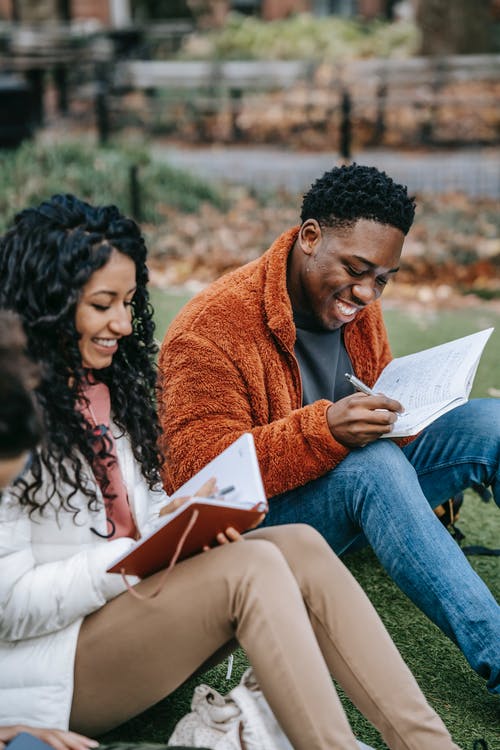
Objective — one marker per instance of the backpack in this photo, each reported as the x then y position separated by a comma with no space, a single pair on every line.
449,511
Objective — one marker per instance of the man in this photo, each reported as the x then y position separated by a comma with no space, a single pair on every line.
265,349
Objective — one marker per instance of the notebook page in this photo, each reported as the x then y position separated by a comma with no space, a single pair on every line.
433,376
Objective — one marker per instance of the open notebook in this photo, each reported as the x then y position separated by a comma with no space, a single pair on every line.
431,382
238,476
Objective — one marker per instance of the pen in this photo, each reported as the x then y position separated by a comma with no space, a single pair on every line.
219,493
358,384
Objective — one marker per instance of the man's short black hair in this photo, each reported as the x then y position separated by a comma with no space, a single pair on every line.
348,193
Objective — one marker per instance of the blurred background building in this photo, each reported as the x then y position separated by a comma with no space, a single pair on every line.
405,73
213,12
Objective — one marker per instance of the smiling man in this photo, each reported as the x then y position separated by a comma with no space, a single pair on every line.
265,350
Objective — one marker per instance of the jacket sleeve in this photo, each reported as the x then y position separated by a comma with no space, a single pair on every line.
206,403
36,599
157,500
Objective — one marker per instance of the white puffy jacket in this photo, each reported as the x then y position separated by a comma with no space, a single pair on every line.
53,574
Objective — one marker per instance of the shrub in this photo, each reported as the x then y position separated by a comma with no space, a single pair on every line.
99,175
302,36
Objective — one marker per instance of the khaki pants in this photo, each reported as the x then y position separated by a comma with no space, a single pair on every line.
299,615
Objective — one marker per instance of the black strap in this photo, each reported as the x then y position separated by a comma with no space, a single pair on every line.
480,745
471,549
477,549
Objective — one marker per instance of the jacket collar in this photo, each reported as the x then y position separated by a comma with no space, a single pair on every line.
277,304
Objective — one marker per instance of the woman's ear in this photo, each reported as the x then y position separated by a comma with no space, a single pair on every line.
309,236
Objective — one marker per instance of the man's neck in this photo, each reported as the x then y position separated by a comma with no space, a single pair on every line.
293,284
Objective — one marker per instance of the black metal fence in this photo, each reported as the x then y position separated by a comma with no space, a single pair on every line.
450,101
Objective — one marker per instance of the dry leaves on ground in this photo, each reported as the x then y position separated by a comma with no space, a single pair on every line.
453,248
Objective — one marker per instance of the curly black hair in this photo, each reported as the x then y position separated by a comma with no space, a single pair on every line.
19,424
46,258
351,192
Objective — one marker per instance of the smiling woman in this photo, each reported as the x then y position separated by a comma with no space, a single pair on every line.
104,311
77,276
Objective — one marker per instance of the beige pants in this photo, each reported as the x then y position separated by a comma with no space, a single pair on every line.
299,615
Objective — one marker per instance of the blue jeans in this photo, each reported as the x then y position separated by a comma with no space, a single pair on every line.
385,494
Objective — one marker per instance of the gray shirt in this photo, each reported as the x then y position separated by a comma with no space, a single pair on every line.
322,359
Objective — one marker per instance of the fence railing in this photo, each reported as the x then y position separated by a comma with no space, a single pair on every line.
376,101
196,74
449,100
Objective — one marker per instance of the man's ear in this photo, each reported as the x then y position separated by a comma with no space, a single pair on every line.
309,236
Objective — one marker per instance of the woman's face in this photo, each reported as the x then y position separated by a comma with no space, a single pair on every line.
104,313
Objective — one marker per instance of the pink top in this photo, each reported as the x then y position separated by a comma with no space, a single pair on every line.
98,414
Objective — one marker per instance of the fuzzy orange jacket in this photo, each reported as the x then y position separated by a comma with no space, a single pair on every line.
227,366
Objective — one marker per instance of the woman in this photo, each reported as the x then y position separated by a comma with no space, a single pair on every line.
79,651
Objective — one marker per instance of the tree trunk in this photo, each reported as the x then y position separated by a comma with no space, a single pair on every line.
460,27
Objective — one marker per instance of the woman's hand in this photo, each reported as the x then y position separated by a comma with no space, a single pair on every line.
206,489
231,535
57,738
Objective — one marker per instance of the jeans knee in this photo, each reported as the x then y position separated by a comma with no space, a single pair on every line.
378,465
480,415
488,417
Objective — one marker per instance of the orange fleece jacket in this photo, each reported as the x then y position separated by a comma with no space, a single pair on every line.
227,366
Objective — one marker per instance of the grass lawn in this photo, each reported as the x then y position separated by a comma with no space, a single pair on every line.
450,685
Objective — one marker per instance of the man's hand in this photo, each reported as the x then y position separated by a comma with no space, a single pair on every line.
59,739
357,420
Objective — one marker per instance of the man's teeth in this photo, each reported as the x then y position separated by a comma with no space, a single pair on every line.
346,309
106,342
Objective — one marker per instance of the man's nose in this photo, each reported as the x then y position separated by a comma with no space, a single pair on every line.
365,292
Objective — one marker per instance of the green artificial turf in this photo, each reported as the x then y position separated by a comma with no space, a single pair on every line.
455,691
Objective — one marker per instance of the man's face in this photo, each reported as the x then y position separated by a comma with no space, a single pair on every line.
340,271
